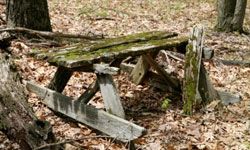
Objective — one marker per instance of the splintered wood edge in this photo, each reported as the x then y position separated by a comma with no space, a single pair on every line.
105,69
109,124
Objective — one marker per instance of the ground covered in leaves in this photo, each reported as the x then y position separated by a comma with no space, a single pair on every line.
226,127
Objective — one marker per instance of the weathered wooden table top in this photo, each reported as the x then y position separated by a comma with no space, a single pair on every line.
106,50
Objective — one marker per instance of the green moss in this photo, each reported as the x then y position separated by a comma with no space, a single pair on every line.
107,53
105,50
139,37
165,104
2,124
190,85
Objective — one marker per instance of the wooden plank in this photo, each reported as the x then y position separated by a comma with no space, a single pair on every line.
228,98
105,69
140,70
89,93
205,87
80,57
109,124
191,96
104,43
60,79
110,95
170,80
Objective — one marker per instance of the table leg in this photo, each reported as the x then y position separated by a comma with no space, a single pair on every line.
110,95
60,79
89,93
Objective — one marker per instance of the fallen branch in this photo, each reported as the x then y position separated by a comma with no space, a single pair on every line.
174,55
50,34
235,62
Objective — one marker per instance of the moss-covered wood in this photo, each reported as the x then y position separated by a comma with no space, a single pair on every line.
105,43
108,50
191,95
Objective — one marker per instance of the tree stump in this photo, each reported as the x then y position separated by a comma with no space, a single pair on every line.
17,120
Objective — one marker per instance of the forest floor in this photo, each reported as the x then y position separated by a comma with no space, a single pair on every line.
224,128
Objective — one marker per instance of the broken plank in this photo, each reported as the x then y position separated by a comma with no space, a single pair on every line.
228,98
140,70
170,80
205,87
109,124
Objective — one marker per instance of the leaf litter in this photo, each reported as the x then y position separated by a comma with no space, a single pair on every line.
219,128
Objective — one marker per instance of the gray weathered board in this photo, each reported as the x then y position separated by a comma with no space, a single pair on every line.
109,124
108,89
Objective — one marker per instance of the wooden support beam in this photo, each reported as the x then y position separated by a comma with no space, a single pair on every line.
205,87
89,93
191,95
109,124
140,70
108,89
170,80
60,79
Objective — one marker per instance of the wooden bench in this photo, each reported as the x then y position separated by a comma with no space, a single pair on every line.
102,57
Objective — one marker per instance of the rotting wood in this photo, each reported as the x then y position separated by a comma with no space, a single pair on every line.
205,87
49,34
89,93
140,70
93,46
80,57
191,96
17,120
116,127
105,69
108,89
167,78
234,62
228,98
60,79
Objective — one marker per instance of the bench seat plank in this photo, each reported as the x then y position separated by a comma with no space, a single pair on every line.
115,127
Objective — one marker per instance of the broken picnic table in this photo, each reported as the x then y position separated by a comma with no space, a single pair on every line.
98,57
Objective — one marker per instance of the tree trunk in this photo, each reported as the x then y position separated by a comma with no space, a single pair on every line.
17,120
230,15
239,15
32,14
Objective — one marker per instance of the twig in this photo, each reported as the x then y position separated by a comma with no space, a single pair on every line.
2,20
68,141
50,34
